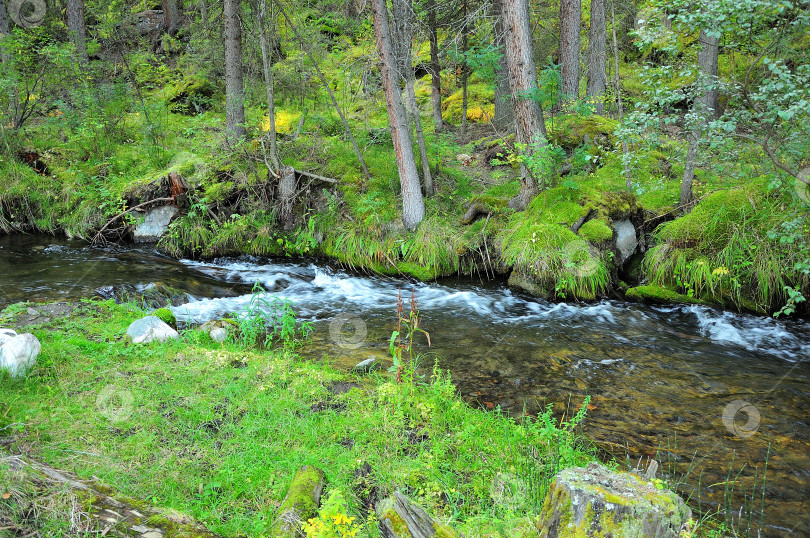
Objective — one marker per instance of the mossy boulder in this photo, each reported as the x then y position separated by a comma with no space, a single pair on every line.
529,284
596,231
596,501
613,205
166,316
658,294
193,95
572,131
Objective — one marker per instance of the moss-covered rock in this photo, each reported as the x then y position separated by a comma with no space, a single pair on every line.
571,131
596,231
599,502
657,294
166,316
193,95
613,205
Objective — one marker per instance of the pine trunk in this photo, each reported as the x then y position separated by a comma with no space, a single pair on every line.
504,112
171,16
435,68
234,92
707,65
78,32
267,71
597,57
523,83
570,20
413,205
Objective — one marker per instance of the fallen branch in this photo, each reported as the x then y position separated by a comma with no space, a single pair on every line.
316,176
100,238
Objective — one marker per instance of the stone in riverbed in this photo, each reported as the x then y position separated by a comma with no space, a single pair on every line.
154,225
219,334
18,353
596,501
366,366
151,329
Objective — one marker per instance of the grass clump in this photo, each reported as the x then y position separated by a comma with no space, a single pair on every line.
596,231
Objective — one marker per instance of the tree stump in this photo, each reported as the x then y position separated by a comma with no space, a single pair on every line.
596,501
400,518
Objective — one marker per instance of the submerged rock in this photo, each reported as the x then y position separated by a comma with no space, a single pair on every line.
596,501
18,353
151,329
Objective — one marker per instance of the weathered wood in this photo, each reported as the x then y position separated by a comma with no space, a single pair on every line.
316,176
301,502
112,514
582,220
401,518
476,211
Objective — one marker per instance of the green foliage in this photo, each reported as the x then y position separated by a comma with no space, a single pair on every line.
332,520
269,320
166,316
596,231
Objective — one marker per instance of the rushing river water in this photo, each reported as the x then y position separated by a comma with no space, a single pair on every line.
660,378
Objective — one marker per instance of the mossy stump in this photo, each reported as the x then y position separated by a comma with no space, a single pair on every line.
596,501
401,518
301,502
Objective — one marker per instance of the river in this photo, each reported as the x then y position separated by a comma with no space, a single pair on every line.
660,377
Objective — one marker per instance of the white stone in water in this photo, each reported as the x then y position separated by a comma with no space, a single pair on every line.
18,353
151,329
626,240
218,334
154,225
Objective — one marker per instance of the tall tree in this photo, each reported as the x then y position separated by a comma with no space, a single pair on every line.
260,9
435,68
171,16
704,106
597,56
4,31
570,20
531,129
234,91
413,205
76,26
504,111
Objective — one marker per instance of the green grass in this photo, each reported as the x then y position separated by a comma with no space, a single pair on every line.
218,431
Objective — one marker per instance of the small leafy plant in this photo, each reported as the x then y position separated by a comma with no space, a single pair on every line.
402,338
268,320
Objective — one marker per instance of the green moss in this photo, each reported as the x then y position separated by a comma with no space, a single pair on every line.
192,95
657,294
299,504
596,231
166,316
572,130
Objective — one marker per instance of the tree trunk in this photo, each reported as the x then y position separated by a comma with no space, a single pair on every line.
234,91
171,16
523,83
4,31
705,106
597,57
618,90
427,177
78,32
504,112
570,20
707,66
413,205
465,71
203,12
435,68
267,71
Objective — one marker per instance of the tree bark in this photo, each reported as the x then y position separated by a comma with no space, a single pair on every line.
427,176
234,91
523,83
704,106
413,205
267,72
570,20
597,57
465,71
504,111
4,31
171,16
435,68
78,32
